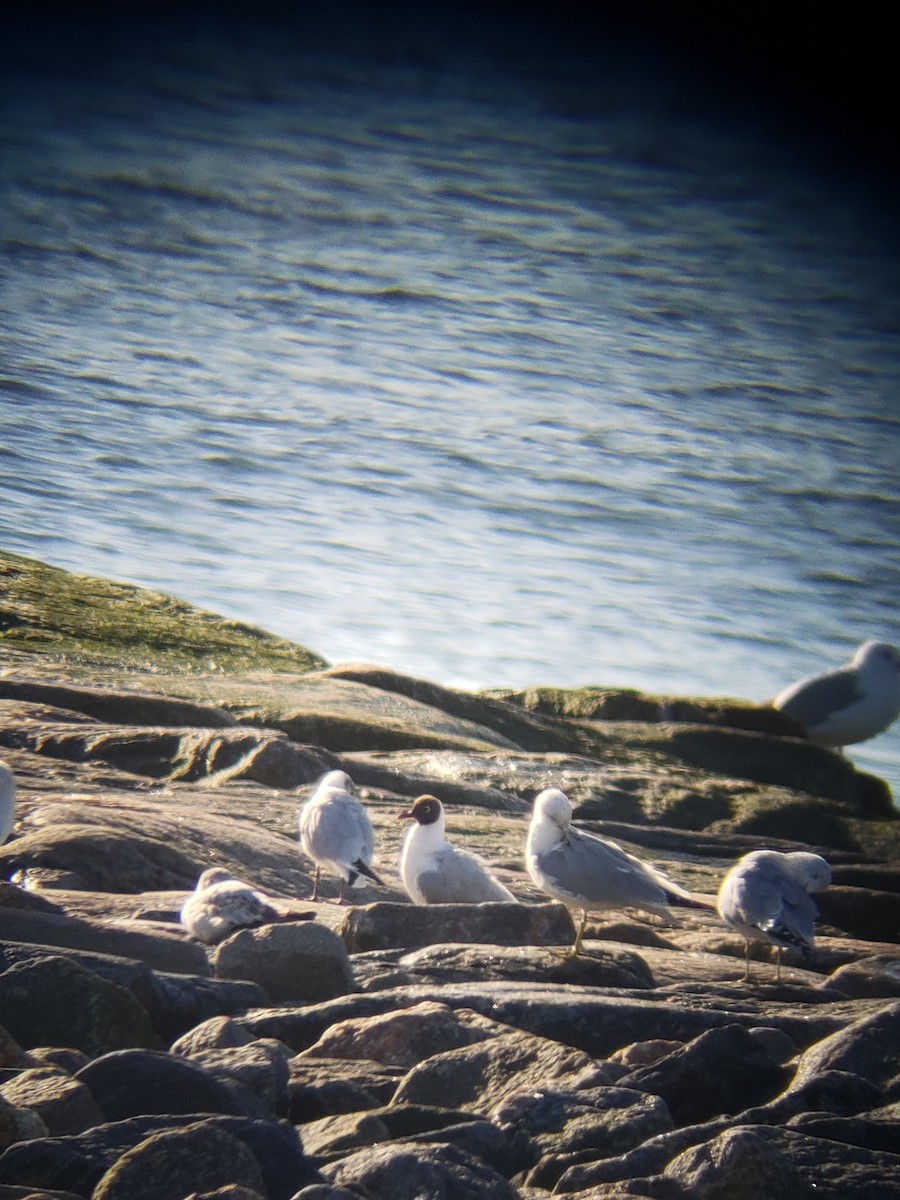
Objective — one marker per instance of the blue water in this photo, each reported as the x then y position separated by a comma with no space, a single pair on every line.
494,374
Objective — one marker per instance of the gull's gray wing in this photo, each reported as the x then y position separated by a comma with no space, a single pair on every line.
597,873
459,878
812,701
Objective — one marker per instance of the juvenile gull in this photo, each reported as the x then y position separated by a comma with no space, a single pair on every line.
220,904
434,872
850,704
7,801
336,833
590,873
765,896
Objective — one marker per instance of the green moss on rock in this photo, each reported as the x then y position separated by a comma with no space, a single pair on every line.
52,613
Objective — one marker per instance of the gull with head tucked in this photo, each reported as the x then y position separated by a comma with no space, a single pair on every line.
589,873
336,833
850,704
434,872
765,896
7,801
220,904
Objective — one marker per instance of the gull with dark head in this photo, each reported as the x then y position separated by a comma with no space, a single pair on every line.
851,704
434,872
336,833
765,896
7,801
220,904
589,873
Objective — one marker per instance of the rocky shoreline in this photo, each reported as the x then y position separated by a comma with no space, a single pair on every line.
383,1049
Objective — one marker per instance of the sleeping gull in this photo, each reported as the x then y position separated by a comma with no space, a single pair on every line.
336,833
851,704
434,872
7,801
220,904
765,895
590,873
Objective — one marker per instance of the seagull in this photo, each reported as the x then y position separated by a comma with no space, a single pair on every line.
220,904
7,801
434,872
590,873
335,832
765,895
850,704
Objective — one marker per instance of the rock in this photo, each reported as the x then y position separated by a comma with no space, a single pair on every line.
450,963
321,1087
261,1067
878,975
738,1165
302,962
18,1124
382,925
477,1077
585,1018
724,1070
115,706
52,1000
174,1002
398,1172
861,912
554,1128
170,1163
131,1083
405,1037
869,1047
78,1163
162,949
63,1104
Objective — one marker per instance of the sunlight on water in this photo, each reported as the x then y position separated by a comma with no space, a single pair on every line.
448,378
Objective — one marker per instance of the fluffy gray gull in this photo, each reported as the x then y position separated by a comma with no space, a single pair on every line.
589,873
434,872
220,904
765,896
336,833
850,704
7,801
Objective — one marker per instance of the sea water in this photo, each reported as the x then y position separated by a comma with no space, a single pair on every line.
498,377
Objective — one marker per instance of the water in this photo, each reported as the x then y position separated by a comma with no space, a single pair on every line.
495,374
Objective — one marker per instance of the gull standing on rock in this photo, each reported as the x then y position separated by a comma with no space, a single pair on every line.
851,704
765,896
220,904
7,801
590,873
434,872
336,833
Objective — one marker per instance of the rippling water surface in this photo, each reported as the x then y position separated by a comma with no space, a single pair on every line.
492,376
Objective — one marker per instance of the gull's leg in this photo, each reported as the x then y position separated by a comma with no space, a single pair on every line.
576,945
315,895
747,960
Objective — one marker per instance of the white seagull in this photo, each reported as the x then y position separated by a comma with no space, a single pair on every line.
220,904
850,704
7,801
590,873
434,872
336,833
765,896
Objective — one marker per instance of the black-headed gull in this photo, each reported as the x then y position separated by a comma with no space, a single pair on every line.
336,833
589,873
765,896
851,704
434,872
